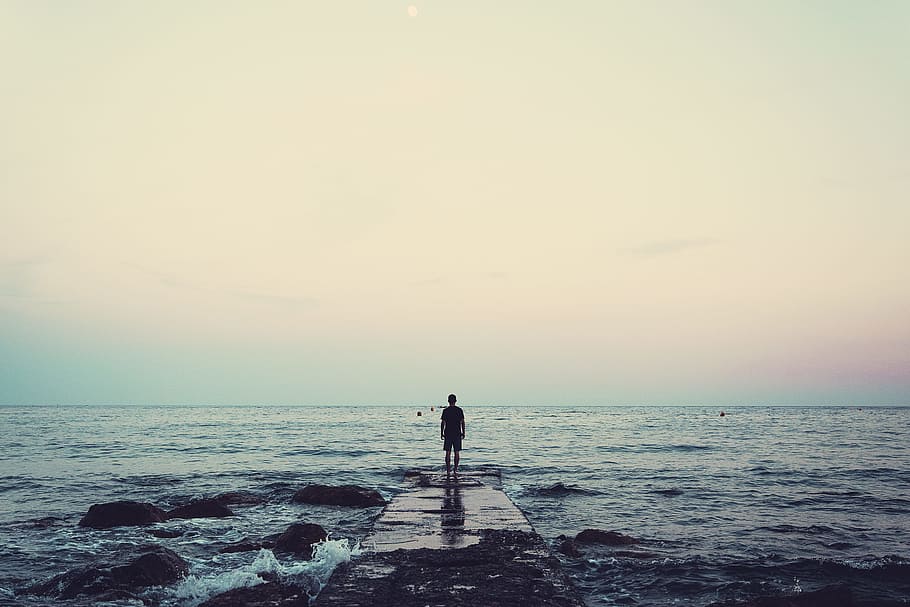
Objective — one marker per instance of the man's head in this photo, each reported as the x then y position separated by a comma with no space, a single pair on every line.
452,399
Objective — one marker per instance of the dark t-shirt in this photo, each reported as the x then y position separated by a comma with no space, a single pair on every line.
452,416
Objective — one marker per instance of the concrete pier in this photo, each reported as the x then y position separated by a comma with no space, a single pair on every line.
451,541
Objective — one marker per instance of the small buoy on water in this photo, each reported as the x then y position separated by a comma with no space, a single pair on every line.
419,413
722,414
432,408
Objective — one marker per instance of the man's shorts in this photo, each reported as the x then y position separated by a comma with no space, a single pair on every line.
452,442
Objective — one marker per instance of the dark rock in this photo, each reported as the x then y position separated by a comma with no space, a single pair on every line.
269,541
115,595
148,566
207,508
156,566
608,538
241,546
559,490
48,521
165,533
669,492
299,539
570,548
346,495
117,514
239,498
506,569
270,594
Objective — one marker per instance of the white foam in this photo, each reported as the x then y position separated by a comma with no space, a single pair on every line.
875,563
327,555
194,590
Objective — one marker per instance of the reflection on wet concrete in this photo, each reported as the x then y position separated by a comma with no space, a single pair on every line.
452,514
445,512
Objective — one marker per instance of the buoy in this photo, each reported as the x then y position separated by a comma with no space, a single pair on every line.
721,414
432,408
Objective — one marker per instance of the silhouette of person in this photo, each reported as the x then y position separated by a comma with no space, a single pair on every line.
451,431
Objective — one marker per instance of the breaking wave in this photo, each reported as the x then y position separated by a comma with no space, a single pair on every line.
313,574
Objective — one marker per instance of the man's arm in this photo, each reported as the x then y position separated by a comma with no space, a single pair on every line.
442,429
462,427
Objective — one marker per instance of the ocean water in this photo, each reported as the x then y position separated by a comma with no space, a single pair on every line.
762,501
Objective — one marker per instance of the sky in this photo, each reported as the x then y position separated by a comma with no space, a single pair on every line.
382,202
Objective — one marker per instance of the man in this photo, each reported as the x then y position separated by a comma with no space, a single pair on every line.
451,431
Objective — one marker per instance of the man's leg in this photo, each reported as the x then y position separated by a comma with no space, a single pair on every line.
448,458
457,459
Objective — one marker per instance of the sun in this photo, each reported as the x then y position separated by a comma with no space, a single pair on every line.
412,11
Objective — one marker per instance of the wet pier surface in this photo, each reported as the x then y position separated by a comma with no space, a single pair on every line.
451,541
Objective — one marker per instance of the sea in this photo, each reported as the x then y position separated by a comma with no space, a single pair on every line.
757,502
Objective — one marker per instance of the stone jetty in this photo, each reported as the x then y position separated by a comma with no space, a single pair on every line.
449,541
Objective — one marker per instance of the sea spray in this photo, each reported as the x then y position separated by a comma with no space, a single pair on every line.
312,574
329,554
196,589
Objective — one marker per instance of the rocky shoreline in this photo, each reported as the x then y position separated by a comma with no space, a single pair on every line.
126,574
510,566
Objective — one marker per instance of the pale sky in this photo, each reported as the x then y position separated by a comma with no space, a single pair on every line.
590,202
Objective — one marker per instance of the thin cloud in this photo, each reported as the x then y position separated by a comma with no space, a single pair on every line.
174,282
858,182
165,278
283,300
439,280
429,282
660,248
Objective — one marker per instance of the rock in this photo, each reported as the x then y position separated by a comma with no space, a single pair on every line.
148,566
346,495
608,538
247,544
299,539
156,566
269,541
164,533
112,596
124,513
243,545
505,568
270,594
239,498
48,521
569,548
207,508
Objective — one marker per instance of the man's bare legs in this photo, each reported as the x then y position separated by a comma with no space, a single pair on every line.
449,462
